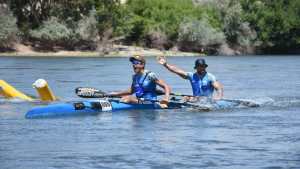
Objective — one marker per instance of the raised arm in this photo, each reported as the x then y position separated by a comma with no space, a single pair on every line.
172,68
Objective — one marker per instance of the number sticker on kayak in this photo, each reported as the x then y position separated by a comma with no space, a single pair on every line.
106,105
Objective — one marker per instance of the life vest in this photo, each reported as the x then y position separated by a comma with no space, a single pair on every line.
143,86
202,86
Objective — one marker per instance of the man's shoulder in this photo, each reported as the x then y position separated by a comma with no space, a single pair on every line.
211,76
190,74
150,74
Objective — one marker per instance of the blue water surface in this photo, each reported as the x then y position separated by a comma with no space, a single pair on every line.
266,137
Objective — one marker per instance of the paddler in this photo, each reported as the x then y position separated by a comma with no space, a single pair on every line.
203,83
144,84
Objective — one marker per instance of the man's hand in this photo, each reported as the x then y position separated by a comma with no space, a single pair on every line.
162,60
164,103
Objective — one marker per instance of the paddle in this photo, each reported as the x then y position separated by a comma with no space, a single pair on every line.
240,102
88,92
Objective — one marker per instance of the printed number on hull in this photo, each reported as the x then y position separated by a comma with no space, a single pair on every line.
106,105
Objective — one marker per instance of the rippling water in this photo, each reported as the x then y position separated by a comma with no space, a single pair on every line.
267,137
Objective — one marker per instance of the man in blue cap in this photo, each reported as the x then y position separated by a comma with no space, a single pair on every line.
202,82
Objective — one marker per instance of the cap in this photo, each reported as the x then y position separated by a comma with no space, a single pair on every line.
200,62
138,58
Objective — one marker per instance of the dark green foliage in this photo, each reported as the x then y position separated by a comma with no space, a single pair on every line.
277,24
145,16
268,25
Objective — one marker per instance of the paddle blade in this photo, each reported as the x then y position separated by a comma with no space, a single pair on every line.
89,92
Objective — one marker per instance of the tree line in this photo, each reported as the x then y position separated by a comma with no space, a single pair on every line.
212,26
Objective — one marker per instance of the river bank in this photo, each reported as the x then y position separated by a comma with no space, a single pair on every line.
117,51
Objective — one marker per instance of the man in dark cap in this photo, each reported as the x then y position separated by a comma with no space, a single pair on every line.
202,82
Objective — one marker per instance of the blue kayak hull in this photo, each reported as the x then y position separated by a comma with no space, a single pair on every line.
97,106
88,108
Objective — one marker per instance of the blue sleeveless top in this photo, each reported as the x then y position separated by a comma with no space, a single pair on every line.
144,85
202,86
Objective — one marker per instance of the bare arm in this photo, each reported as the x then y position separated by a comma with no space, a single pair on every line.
220,91
166,88
122,93
172,68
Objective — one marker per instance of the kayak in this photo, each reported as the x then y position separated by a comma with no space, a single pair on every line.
92,107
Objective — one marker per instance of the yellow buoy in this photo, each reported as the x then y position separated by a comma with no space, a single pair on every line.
10,92
44,90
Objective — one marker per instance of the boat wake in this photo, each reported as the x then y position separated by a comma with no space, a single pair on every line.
282,102
264,102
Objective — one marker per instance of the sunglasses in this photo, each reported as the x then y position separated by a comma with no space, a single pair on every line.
136,62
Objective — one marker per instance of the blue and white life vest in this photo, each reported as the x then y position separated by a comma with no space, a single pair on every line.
144,85
202,85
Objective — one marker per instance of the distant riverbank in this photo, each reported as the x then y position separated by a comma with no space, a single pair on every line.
117,51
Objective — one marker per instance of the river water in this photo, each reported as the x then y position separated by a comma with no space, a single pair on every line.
266,137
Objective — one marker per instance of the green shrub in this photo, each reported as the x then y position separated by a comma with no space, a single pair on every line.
74,35
144,16
157,39
238,31
52,31
198,34
8,28
87,27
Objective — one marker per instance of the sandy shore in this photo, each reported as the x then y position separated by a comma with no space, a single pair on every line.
118,51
